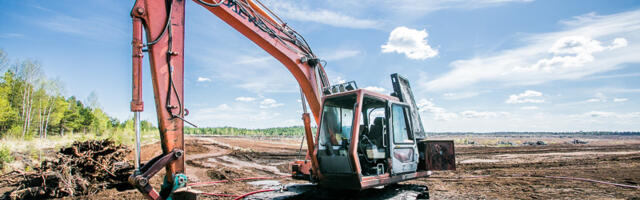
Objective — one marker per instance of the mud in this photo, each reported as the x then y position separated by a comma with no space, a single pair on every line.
484,172
223,174
523,174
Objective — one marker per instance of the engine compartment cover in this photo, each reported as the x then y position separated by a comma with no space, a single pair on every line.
437,155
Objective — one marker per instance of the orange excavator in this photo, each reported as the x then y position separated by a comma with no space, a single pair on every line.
365,139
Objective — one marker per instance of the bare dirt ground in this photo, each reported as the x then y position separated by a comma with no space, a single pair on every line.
519,173
484,172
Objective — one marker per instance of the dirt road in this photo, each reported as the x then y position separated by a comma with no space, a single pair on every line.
483,172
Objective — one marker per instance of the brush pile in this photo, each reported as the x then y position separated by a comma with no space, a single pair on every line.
84,168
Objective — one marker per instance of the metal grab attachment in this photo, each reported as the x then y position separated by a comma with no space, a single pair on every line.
140,179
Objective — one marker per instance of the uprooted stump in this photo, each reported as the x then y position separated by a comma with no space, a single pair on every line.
84,168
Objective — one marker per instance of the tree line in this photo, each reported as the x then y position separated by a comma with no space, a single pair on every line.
32,105
277,131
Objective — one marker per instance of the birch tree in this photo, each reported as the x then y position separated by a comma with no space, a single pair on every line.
29,72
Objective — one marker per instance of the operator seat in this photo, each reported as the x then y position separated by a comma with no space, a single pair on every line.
375,132
364,130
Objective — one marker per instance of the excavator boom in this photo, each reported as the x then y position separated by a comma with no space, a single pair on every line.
163,23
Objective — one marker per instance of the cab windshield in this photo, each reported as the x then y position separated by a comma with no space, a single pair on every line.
336,124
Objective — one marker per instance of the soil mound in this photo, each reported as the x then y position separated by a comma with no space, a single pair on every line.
223,174
83,168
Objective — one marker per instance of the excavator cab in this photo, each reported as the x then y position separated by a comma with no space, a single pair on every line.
367,139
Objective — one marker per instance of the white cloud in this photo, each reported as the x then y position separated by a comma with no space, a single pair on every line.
411,42
293,122
245,99
203,79
253,60
255,73
89,26
571,52
588,45
237,116
620,99
11,35
599,114
438,113
340,54
538,121
409,10
604,114
431,6
529,107
528,96
459,95
599,97
622,75
223,107
270,103
593,100
375,89
338,80
299,12
483,114
623,90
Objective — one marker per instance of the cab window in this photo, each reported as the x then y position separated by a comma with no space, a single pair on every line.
336,124
401,131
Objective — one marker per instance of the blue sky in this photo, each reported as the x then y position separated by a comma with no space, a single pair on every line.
483,65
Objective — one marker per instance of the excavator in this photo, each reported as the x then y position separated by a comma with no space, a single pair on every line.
364,139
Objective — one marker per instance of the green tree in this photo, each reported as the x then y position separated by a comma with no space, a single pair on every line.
8,113
60,106
86,117
72,119
100,122
31,103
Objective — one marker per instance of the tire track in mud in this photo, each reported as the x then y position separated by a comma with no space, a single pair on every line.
224,160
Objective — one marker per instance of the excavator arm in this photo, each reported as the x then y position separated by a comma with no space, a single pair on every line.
162,23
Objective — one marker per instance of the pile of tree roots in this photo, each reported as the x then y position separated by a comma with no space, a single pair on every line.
84,168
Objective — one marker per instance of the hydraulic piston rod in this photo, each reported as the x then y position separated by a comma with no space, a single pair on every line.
136,116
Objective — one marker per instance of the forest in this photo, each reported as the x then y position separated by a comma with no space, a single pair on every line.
35,106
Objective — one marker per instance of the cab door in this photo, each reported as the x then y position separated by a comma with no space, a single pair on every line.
403,148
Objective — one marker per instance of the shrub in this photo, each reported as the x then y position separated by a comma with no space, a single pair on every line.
15,131
5,156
